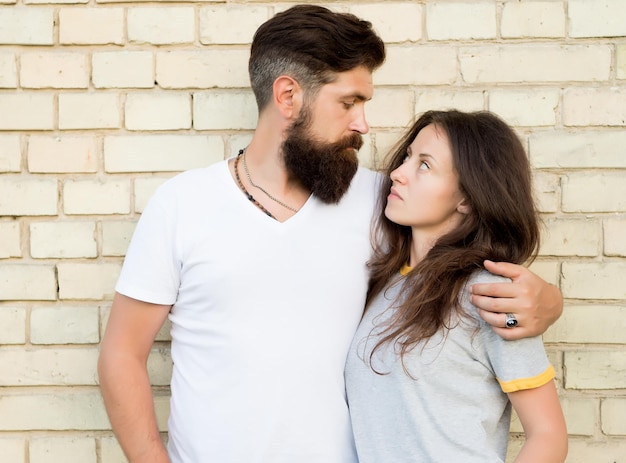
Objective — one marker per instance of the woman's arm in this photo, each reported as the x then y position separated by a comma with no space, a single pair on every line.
541,416
535,303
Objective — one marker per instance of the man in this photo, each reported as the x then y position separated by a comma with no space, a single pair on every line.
260,264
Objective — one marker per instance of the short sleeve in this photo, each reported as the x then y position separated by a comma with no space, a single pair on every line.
518,365
151,270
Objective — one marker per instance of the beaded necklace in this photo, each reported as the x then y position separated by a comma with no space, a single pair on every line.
276,200
243,188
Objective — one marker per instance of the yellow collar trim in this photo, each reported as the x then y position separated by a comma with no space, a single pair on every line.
406,268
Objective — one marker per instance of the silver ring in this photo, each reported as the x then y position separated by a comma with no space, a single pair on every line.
511,321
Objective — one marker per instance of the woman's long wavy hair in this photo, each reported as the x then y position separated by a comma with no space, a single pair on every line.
502,225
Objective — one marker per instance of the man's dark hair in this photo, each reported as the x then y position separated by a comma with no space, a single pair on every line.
310,44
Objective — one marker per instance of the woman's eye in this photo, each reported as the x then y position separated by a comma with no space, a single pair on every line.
423,165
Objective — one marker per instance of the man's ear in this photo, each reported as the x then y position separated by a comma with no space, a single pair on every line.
287,96
463,207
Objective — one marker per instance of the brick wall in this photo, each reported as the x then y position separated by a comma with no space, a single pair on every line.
101,100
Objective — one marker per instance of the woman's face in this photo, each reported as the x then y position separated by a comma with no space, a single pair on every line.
425,192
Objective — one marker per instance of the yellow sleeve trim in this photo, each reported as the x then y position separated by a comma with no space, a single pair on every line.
528,383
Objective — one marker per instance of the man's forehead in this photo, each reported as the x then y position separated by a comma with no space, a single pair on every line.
356,83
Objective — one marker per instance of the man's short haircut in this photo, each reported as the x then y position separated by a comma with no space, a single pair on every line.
310,44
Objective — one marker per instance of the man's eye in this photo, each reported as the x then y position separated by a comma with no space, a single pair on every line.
348,105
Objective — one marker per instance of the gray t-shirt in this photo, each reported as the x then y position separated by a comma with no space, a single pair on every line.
453,407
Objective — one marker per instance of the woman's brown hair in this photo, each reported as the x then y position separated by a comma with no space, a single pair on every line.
502,225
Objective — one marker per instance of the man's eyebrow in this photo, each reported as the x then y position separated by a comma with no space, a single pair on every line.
358,96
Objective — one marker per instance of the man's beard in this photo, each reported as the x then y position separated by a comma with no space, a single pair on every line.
325,169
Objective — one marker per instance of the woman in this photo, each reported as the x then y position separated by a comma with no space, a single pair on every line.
427,379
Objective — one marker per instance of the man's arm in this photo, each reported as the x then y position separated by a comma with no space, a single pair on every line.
124,381
535,303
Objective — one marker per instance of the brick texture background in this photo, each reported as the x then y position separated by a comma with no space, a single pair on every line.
102,100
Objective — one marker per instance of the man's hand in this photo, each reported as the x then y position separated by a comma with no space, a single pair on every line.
535,303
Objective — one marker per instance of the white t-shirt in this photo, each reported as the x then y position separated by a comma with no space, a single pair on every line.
263,315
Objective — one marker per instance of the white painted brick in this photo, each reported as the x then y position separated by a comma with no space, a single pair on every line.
91,26
64,325
62,154
70,410
96,197
585,451
597,369
535,107
36,111
588,324
27,282
390,108
203,69
464,100
236,142
384,142
609,192
418,65
219,111
613,411
588,149
547,270
593,280
131,69
366,154
596,18
116,237
10,240
144,189
8,70
54,70
20,367
580,415
161,25
13,449
533,19
89,111
546,191
216,25
111,451
161,111
620,52
570,237
162,411
160,367
87,281
28,196
614,233
594,106
12,326
62,449
26,26
54,2
161,153
63,240
393,21
10,153
535,63
473,20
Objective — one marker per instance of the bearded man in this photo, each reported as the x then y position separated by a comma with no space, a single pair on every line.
260,264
